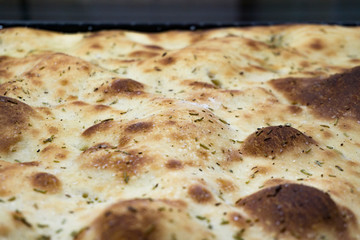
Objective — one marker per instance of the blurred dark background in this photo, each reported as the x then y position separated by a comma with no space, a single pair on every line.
172,11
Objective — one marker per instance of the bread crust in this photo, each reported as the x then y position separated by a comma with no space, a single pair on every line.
228,133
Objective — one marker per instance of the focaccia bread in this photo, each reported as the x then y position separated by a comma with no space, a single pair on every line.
234,133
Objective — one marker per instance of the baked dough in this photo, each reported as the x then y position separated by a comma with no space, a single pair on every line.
234,133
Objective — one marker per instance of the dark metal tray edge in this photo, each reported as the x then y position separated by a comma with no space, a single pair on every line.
73,27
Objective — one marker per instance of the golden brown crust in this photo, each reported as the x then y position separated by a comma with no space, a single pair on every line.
142,219
14,121
46,182
199,194
275,140
333,97
296,209
127,86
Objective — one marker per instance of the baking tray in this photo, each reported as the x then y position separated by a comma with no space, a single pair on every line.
73,27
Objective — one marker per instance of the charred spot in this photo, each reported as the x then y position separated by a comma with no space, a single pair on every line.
170,123
31,74
225,185
238,220
304,64
167,61
202,154
126,85
101,107
46,182
60,155
96,46
53,152
296,209
100,127
14,120
79,103
125,60
174,164
346,126
294,109
155,47
143,54
335,96
98,147
275,140
125,163
49,148
197,84
53,130
317,44
64,82
45,110
5,74
200,194
354,60
124,141
326,134
30,164
4,59
252,44
139,127
167,101
146,219
126,226
72,98
233,92
133,219
84,68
